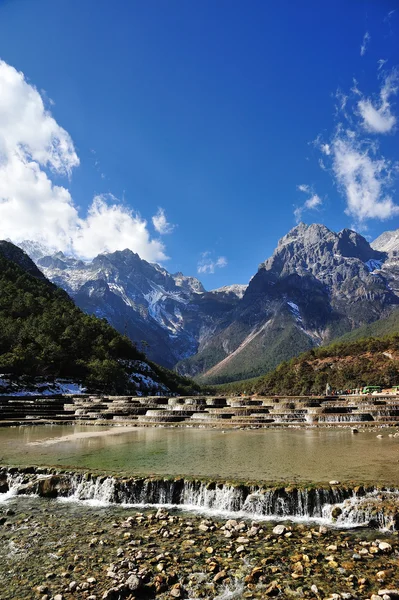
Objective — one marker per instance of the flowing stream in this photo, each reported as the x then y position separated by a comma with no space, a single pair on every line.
285,473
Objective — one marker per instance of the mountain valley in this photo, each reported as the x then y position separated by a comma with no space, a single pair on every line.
317,286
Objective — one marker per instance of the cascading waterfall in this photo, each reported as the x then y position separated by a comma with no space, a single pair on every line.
357,510
12,485
344,506
97,491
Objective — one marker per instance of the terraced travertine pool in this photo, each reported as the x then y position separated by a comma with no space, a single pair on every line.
283,455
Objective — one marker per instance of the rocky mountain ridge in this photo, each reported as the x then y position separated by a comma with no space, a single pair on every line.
166,315
387,242
317,285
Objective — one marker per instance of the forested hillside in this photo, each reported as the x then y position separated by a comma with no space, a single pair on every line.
380,328
344,365
43,334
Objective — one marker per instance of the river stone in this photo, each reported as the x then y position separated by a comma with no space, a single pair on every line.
42,589
390,593
385,547
336,512
279,529
334,482
273,589
133,583
323,529
176,591
230,524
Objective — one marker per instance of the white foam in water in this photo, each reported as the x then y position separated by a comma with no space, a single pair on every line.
13,485
91,493
358,511
229,502
226,501
7,495
229,593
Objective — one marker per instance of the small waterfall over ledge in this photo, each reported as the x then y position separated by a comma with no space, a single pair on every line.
339,505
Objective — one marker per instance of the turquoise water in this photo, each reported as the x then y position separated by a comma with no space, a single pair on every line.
286,455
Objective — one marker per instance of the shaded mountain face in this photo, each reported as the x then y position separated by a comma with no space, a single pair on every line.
48,343
165,315
15,254
316,286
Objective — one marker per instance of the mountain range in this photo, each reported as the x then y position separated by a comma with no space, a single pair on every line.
316,286
47,344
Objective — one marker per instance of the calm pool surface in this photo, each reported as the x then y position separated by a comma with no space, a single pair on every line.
284,455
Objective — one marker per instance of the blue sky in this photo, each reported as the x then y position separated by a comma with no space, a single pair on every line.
234,118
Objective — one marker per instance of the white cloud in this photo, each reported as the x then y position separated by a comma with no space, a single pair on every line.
33,150
109,226
363,175
207,264
27,128
381,63
363,179
303,188
365,43
325,148
313,202
221,262
161,224
378,118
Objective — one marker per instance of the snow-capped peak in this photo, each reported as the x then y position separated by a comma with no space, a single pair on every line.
236,288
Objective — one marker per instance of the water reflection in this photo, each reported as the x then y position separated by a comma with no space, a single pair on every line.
271,455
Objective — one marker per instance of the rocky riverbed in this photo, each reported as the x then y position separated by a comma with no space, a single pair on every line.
55,550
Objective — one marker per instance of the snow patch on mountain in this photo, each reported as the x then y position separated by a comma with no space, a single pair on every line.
236,289
294,308
120,291
42,388
189,283
145,383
